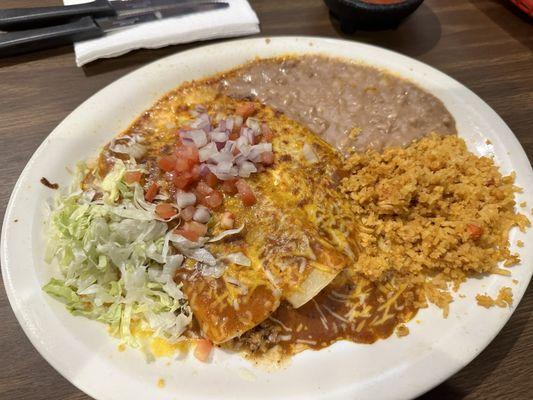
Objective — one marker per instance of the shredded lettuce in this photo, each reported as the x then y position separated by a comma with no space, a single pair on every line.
113,264
112,182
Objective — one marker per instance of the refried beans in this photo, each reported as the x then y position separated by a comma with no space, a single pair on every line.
352,106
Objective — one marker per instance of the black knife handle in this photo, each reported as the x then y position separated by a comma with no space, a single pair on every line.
19,42
28,18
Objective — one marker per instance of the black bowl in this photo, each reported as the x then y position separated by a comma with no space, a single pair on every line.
357,14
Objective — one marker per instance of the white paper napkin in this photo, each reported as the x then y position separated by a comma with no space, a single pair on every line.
236,20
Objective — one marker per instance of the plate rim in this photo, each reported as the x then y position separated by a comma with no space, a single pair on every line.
4,248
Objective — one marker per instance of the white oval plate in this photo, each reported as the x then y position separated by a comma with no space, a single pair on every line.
394,368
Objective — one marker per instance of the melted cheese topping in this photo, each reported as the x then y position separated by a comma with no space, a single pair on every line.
298,235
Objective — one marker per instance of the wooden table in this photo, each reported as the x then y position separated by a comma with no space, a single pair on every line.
484,44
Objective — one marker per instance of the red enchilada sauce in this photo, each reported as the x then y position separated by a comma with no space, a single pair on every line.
357,109
351,308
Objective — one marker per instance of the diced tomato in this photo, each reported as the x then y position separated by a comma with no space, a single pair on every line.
196,227
200,198
167,163
182,180
193,153
203,349
245,110
211,179
214,199
190,153
474,230
151,192
227,220
195,172
187,213
245,191
182,165
132,177
229,187
267,134
165,210
267,158
203,188
192,236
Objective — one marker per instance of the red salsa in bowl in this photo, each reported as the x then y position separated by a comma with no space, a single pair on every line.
370,14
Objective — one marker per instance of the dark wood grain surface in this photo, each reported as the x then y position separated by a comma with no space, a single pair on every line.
484,44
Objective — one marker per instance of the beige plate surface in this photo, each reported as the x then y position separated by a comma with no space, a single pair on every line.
396,368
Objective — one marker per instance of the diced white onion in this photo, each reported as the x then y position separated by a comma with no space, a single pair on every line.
208,151
131,147
220,137
198,136
243,145
222,157
239,160
184,199
202,122
309,153
254,125
224,167
248,134
229,146
231,173
202,215
246,169
257,150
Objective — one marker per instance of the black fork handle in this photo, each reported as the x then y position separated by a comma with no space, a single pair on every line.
19,42
29,18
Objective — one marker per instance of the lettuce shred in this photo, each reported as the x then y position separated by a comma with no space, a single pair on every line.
112,262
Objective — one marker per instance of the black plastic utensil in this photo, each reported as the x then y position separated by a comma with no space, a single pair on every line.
18,42
28,18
